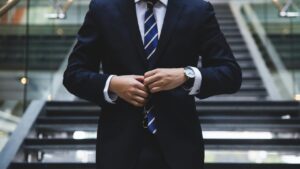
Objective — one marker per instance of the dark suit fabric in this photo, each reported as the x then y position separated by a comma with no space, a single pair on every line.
110,36
150,155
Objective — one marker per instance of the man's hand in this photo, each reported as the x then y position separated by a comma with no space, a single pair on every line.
164,79
130,88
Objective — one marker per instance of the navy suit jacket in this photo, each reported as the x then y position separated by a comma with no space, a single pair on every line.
110,36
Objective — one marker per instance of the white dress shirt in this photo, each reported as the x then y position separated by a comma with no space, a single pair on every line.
159,10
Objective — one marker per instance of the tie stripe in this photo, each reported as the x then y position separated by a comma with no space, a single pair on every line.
151,28
150,34
150,45
151,121
146,20
151,53
151,42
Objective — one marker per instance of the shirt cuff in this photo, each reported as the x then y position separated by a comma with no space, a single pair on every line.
197,82
110,97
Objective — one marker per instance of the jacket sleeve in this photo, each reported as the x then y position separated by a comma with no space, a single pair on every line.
82,77
221,74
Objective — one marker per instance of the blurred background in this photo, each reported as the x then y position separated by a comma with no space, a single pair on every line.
43,126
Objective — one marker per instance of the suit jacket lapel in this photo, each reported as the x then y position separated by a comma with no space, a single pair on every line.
173,14
127,7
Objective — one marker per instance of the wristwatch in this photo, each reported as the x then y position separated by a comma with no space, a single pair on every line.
190,74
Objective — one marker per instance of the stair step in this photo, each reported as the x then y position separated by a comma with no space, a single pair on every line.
208,123
81,122
229,35
20,165
227,22
253,108
225,17
224,144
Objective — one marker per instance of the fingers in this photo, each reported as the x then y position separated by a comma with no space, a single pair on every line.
140,97
139,78
141,86
138,101
150,73
151,79
141,93
156,84
156,89
135,103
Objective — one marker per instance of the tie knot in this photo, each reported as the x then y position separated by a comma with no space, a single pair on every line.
151,3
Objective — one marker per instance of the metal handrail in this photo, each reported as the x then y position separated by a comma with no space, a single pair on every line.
67,6
283,74
277,4
13,145
61,12
8,5
267,78
283,10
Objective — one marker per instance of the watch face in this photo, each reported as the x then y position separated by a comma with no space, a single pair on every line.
190,73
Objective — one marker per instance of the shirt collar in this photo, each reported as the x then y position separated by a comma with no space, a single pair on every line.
165,2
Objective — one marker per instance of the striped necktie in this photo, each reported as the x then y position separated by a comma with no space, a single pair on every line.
150,45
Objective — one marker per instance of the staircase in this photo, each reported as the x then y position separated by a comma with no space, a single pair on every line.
64,134
288,49
45,52
252,86
57,135
45,55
